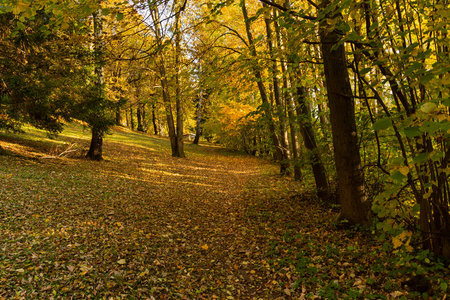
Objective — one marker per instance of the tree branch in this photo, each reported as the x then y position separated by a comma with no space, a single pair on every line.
282,8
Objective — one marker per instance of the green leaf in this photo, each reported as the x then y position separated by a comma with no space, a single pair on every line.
428,107
430,127
412,131
426,78
444,286
437,155
105,11
119,16
20,25
446,102
398,176
421,158
382,124
415,66
365,71
399,160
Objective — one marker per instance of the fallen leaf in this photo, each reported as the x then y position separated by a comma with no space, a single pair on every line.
121,261
205,247
396,294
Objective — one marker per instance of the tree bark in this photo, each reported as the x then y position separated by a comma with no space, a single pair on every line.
131,117
262,90
140,119
139,112
352,194
178,100
276,91
305,122
174,139
199,118
288,99
118,117
155,127
96,148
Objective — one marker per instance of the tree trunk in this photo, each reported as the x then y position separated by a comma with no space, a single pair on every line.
118,117
140,117
294,139
155,127
352,194
96,148
131,117
290,106
199,118
144,120
276,91
262,90
305,122
178,99
165,84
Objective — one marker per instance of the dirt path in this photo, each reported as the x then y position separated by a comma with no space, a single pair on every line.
206,223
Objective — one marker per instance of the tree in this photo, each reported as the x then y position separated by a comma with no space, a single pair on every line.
352,195
288,99
280,105
412,65
42,72
304,117
175,132
309,140
198,129
263,93
98,122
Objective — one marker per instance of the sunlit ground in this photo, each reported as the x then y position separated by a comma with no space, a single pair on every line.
145,225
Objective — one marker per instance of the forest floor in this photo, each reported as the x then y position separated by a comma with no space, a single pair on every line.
144,225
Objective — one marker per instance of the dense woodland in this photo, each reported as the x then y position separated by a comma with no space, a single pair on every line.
353,95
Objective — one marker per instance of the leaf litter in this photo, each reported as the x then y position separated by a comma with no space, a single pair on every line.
144,225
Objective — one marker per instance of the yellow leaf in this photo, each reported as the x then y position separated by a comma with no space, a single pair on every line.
446,80
121,261
84,269
252,271
404,170
205,247
396,242
64,26
428,107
